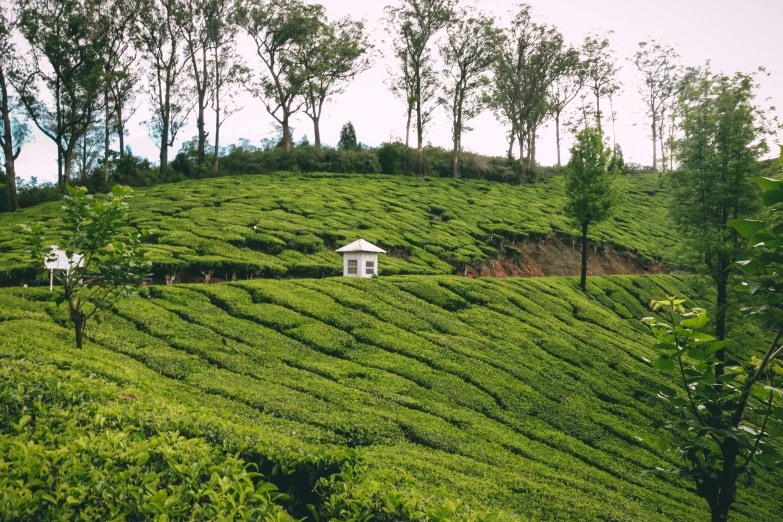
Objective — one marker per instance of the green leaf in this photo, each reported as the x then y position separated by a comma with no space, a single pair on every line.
750,267
747,228
767,183
772,197
709,376
142,458
664,364
661,445
766,460
678,402
668,348
696,322
695,353
774,432
715,347
778,413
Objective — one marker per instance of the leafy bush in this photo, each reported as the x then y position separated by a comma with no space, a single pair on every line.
205,225
514,393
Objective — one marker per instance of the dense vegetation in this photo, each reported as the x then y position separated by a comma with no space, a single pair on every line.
429,226
513,394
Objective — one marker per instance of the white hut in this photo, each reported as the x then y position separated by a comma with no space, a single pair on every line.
360,258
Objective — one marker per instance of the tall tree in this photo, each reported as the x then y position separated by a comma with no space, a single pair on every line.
62,79
116,19
591,187
332,57
280,28
414,24
97,245
228,69
158,36
14,131
601,70
723,137
658,68
565,88
469,52
347,137
528,64
197,22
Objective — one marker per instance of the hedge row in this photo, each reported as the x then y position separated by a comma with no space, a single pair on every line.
286,225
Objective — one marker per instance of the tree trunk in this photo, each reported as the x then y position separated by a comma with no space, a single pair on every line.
286,138
598,112
583,281
419,139
531,153
405,166
8,143
202,135
317,131
107,132
164,149
79,327
521,140
217,134
60,167
120,128
457,148
67,159
655,143
200,123
557,137
511,141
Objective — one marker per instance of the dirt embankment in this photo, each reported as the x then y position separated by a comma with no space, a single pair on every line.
554,256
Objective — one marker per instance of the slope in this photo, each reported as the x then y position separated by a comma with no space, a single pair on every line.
518,394
428,225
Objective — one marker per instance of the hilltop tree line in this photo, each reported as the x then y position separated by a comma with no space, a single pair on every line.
79,70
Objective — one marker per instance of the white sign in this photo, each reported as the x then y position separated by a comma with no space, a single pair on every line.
59,261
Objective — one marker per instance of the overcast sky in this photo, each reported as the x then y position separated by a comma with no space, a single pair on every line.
732,35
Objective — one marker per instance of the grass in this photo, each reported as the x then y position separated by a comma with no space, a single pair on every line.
430,226
518,395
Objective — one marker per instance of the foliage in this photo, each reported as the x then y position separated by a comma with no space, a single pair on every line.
332,57
72,450
469,52
347,137
158,35
600,70
61,77
97,248
591,188
659,70
718,445
207,224
280,30
413,25
515,393
528,64
723,137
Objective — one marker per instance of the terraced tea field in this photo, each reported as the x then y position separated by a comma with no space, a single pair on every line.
428,225
514,394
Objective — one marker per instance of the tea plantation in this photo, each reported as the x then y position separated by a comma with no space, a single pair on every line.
432,397
428,225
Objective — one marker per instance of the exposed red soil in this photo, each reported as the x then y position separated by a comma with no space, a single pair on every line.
556,257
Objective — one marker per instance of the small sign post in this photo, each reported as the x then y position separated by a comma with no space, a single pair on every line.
57,260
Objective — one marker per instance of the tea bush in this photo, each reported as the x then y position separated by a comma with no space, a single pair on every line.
285,225
459,396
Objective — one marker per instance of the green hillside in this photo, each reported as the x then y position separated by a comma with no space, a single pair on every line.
516,394
428,225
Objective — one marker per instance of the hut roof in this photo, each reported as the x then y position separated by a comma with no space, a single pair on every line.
360,245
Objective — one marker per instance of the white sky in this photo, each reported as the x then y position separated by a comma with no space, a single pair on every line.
733,35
